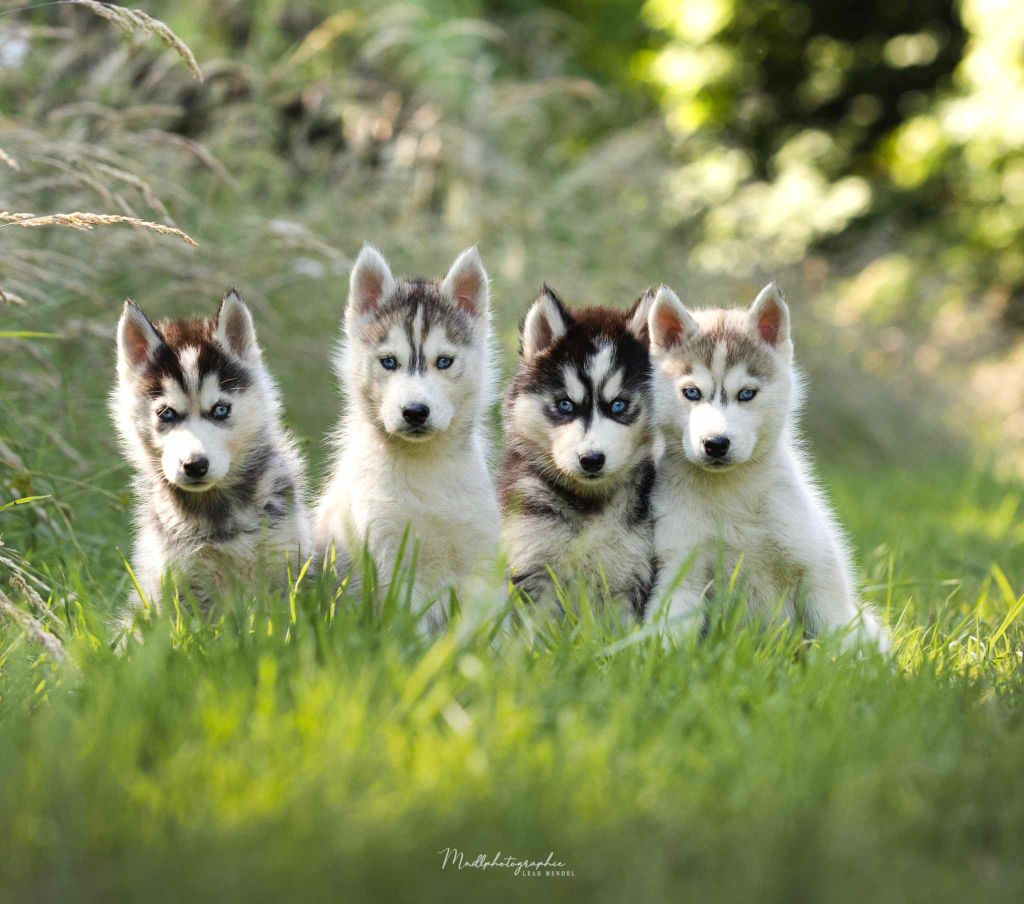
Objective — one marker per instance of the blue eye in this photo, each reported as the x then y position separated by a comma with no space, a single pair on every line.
167,415
220,411
389,362
692,393
565,406
444,362
745,395
619,406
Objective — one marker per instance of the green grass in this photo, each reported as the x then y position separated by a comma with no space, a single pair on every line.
333,755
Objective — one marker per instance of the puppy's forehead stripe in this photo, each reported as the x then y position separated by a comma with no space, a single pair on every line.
574,386
598,365
718,358
414,332
209,389
189,358
737,348
423,302
612,386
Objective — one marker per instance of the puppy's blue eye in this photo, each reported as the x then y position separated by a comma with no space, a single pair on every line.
389,362
619,406
565,406
692,393
220,411
444,362
745,395
167,415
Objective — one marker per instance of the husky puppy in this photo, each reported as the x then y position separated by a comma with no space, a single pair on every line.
417,370
218,481
733,487
579,469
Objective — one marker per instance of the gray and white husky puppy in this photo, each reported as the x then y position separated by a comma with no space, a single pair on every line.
733,485
219,483
418,373
579,468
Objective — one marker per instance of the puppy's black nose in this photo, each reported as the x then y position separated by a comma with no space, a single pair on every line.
716,446
592,462
196,467
416,414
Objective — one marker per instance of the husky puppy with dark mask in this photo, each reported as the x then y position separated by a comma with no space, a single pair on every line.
579,469
219,483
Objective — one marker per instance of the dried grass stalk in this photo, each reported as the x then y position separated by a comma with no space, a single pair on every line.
79,220
11,298
130,21
32,627
9,160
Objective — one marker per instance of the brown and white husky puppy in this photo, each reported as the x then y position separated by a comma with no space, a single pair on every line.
579,467
219,483
417,370
735,494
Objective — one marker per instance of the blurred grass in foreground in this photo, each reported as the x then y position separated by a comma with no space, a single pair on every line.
337,753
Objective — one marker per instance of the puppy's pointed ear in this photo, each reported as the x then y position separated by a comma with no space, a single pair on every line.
235,330
370,283
769,316
669,323
137,338
546,322
467,284
636,321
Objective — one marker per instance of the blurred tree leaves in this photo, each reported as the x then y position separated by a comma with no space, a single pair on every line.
799,120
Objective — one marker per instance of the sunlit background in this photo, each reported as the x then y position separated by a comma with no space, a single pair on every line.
869,155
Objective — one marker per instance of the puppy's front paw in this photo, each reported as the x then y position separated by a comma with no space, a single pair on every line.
677,631
868,631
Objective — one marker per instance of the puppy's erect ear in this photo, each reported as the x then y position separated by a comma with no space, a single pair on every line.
669,323
637,322
769,316
137,338
235,330
546,322
371,282
466,283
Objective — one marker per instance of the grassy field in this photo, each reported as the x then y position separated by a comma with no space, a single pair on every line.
318,749
333,753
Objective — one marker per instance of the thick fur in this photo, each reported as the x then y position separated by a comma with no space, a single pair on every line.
733,485
429,479
593,527
244,518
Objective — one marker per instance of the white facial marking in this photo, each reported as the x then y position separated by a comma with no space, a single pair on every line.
612,386
599,364
417,328
189,360
574,387
718,367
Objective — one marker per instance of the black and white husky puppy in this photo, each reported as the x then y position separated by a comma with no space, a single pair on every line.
219,484
418,373
579,465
